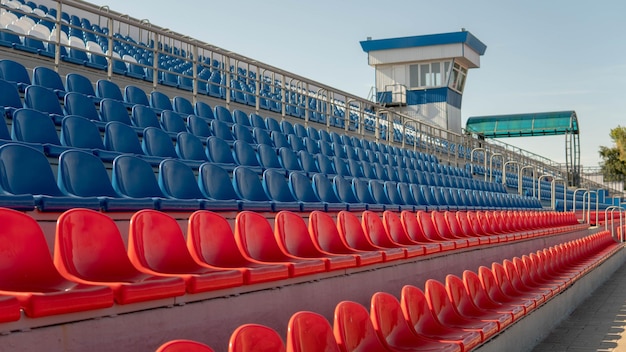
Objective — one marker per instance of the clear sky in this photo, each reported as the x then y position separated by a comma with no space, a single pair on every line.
541,55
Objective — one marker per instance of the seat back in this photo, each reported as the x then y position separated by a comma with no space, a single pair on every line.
135,95
83,174
255,338
114,110
198,126
160,100
214,183
261,136
78,132
210,240
254,236
156,142
242,133
79,104
340,167
245,155
33,126
324,233
351,231
277,186
353,328
173,122
133,177
177,180
220,129
223,114
288,159
373,227
190,147
292,235
279,140
13,71
301,187
218,151
47,77
184,346
10,97
308,331
323,189
344,190
412,226
248,185
240,117
395,229
42,99
75,82
204,110
182,105
26,170
121,138
143,116
308,162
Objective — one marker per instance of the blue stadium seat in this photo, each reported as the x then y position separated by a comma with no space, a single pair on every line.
182,105
242,133
248,186
198,126
160,101
97,61
325,165
355,168
363,193
345,193
189,147
223,114
261,136
240,117
312,146
379,193
289,160
268,158
300,130
27,175
295,142
204,110
219,152
156,142
135,95
272,125
392,191
114,110
339,150
307,161
173,122
141,116
14,72
407,196
302,189
215,184
222,130
35,127
326,148
9,98
79,132
82,174
369,171
256,120
287,128
279,140
44,100
79,104
177,181
109,90
134,178
325,191
245,155
49,78
351,153
276,187
324,136
122,138
341,167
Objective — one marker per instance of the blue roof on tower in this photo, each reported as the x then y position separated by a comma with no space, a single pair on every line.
464,37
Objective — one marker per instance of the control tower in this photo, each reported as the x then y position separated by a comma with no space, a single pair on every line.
424,76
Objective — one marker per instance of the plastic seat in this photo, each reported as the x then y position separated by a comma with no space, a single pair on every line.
364,195
392,328
255,239
219,152
507,287
352,233
82,174
173,122
245,155
308,331
133,177
243,133
491,286
103,260
160,101
279,140
44,100
302,189
189,147
354,331
481,299
288,159
198,126
204,110
75,82
38,130
276,186
210,241
444,230
109,90
378,235
448,314
429,229
324,190
222,130
293,237
49,78
325,234
308,162
142,117
78,132
423,321
177,181
15,72
215,184
29,275
222,114
9,99
395,227
248,186
261,136
255,338
81,105
182,105
156,246
121,138
158,143
114,110
183,346
135,95
346,194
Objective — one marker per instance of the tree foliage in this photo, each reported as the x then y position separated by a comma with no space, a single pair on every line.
614,158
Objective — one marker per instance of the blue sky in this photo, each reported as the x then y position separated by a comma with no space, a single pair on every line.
541,55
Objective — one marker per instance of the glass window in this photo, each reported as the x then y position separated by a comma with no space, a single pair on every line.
436,68
425,79
414,76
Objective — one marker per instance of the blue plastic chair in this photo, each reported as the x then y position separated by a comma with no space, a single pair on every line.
108,89
204,110
302,189
75,82
32,126
307,161
279,140
49,78
215,184
114,110
300,130
219,152
173,122
377,189
289,160
340,167
160,101
198,126
156,142
240,117
325,165
177,181
268,158
135,95
296,143
9,98
79,132
245,155
363,193
326,149
390,189
81,105
44,100
222,130
248,186
261,136
257,120
189,147
223,114
143,116
325,191
355,168
122,138
276,186
287,128
242,133
14,72
182,105
272,125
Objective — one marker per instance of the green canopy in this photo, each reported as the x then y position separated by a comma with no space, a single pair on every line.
523,125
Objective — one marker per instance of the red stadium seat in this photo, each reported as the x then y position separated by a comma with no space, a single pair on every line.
255,239
424,322
351,231
464,226
429,230
489,283
503,281
393,330
210,241
446,311
394,227
292,235
415,232
29,274
324,233
89,249
255,338
481,299
515,278
184,346
353,329
156,246
376,232
442,225
310,332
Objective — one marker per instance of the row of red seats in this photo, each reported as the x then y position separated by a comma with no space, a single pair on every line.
457,315
93,269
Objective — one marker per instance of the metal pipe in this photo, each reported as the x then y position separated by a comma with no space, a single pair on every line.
491,164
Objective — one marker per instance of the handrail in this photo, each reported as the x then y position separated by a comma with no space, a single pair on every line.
491,164
520,183
574,199
553,193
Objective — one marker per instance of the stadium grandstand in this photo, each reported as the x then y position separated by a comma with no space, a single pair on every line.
161,193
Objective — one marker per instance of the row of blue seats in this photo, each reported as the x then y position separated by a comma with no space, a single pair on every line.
27,181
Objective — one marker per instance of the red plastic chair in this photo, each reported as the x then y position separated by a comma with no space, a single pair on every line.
446,312
504,282
395,229
466,307
467,228
89,250
29,279
481,299
495,224
455,228
292,235
489,283
184,346
375,231
256,242
515,278
352,232
443,229
422,320
353,329
255,338
324,233
211,242
156,246
310,332
415,232
429,230
393,330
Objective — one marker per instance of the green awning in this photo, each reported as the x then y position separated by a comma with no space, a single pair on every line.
523,125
